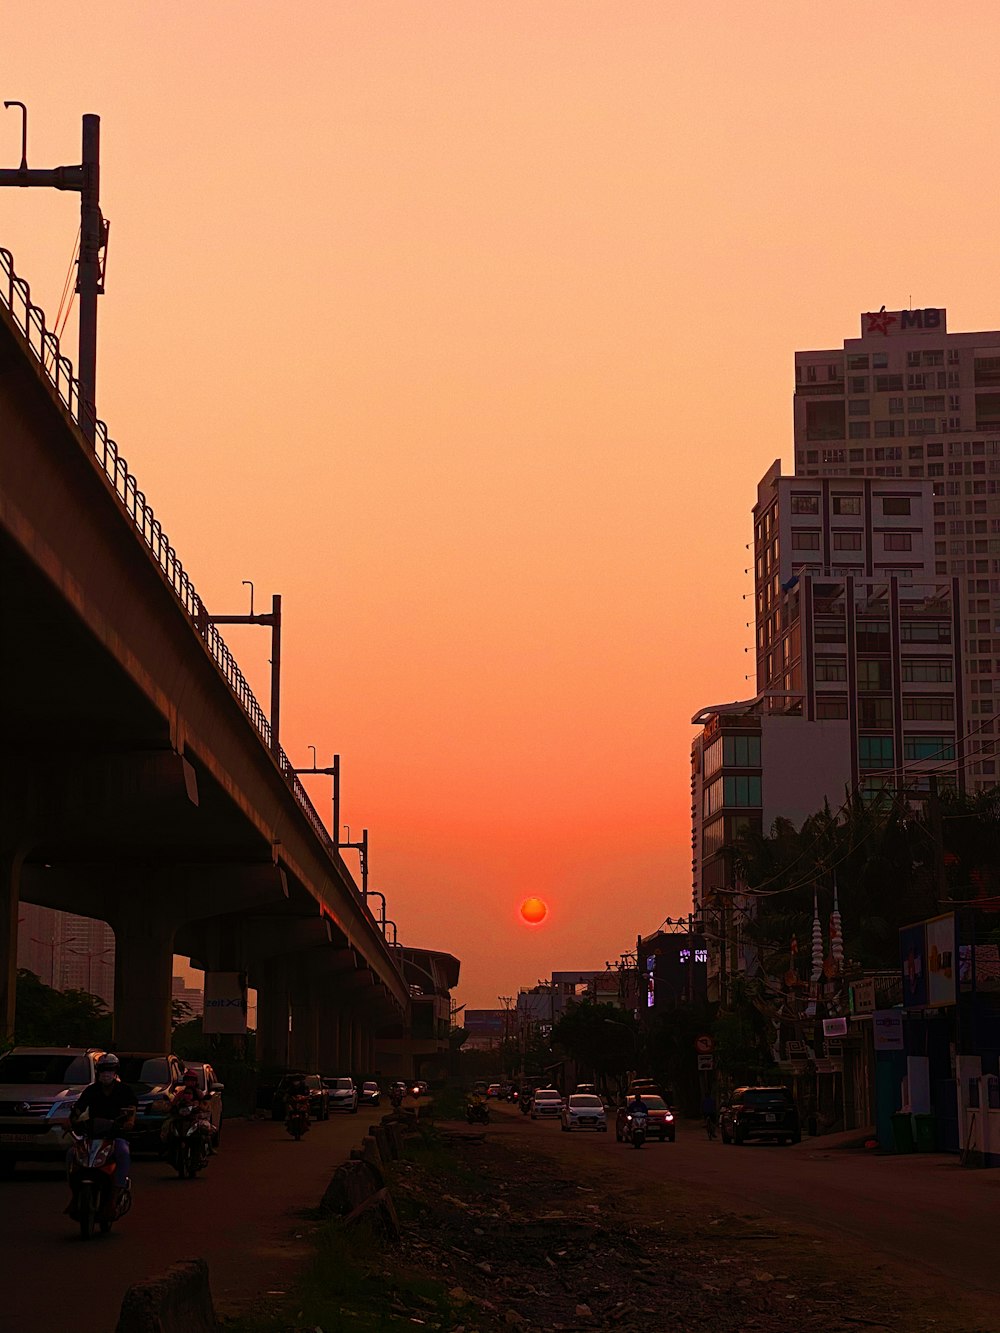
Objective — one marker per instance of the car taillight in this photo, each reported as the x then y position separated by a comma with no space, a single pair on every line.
669,1115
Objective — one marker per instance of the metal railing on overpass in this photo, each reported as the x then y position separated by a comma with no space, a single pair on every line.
43,346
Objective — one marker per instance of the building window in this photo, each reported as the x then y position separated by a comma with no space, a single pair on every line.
742,752
742,791
805,504
874,674
874,711
859,407
805,539
847,541
873,636
895,504
847,504
857,362
858,384
928,670
888,384
928,710
887,430
875,752
830,631
858,430
831,668
925,631
828,709
898,541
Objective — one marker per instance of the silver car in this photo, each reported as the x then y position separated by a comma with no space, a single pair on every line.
343,1094
38,1087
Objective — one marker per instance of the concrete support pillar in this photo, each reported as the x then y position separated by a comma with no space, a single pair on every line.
11,860
359,1046
305,1026
272,1015
346,1043
144,955
329,1036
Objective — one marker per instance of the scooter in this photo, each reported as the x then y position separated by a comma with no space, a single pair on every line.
396,1098
525,1104
297,1119
635,1129
92,1179
188,1141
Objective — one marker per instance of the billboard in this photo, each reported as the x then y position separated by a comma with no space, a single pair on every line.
941,960
928,958
225,1002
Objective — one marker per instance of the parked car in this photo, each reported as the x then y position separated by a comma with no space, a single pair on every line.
319,1098
208,1082
151,1075
38,1086
584,1110
660,1120
370,1093
493,1090
546,1102
760,1113
342,1094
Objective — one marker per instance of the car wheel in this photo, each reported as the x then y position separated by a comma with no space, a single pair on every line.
672,1137
602,1129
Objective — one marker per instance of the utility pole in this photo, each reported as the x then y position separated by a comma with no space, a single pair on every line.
272,618
85,179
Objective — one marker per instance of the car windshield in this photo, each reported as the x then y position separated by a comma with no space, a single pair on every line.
61,1069
343,1084
371,1087
543,1095
141,1074
654,1103
585,1100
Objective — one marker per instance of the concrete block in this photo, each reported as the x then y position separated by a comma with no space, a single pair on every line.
351,1185
377,1212
177,1301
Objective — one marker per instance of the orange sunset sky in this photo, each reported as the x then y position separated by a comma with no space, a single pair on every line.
468,327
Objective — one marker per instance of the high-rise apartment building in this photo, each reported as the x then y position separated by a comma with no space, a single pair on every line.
909,401
67,952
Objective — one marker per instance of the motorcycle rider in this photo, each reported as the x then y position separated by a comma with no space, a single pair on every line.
109,1103
296,1088
187,1093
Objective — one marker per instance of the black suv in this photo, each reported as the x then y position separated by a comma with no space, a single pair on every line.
319,1098
760,1113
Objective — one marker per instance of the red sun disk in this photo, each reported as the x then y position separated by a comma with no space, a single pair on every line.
534,911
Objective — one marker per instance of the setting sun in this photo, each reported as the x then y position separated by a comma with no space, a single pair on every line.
534,911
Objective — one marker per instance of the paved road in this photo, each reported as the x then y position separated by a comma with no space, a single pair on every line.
240,1215
922,1214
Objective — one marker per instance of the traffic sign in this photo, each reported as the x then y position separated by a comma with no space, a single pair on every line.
706,1061
704,1044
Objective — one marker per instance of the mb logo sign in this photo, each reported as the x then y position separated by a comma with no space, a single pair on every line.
930,319
225,1002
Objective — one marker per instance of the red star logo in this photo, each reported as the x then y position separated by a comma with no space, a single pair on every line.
879,323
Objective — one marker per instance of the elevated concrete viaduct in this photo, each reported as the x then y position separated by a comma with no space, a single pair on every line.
139,781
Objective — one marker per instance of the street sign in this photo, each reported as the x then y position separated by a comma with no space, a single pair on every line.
706,1061
704,1045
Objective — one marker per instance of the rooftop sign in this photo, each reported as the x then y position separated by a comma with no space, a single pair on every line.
888,322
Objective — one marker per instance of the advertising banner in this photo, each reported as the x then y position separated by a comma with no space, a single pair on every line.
941,960
913,960
225,1002
887,1026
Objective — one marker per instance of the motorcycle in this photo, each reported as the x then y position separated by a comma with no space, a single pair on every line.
297,1119
188,1140
477,1113
635,1130
525,1104
414,1090
91,1175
